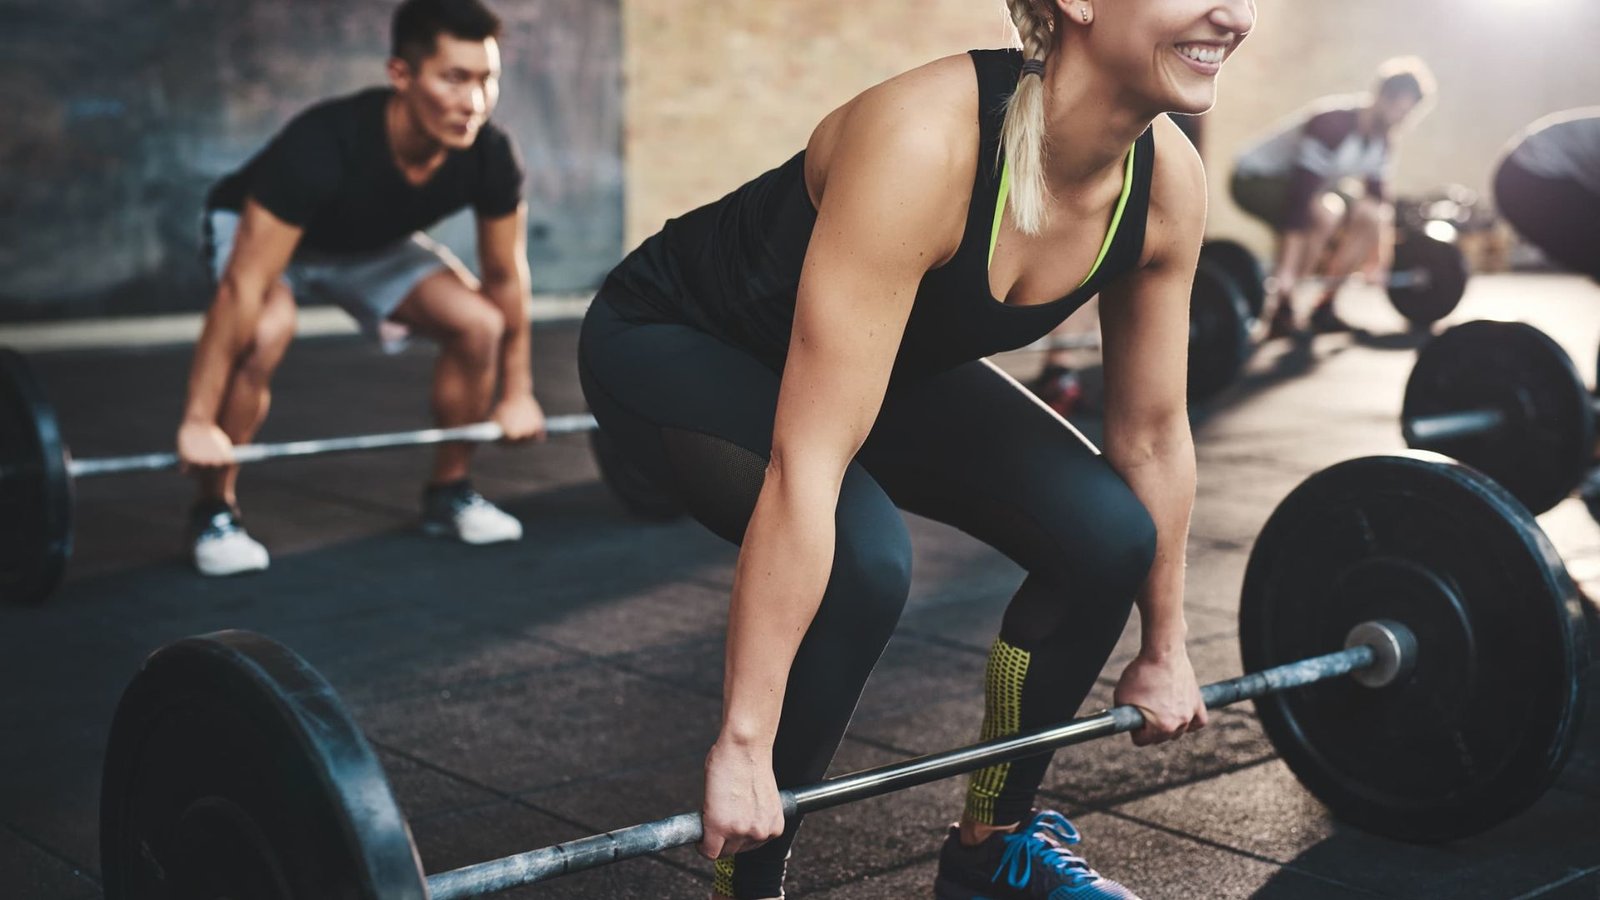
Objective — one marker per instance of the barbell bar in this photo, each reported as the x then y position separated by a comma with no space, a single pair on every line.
1387,650
476,433
1398,279
231,762
1505,398
1427,281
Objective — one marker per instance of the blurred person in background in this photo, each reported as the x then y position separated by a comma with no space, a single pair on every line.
1548,187
1320,181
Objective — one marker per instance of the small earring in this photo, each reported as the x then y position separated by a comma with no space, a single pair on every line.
1085,13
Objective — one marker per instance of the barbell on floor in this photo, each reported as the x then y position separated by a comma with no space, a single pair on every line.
1427,280
37,474
232,764
476,433
1504,398
1219,332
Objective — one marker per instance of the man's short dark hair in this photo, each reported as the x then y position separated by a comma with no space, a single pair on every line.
1408,76
418,24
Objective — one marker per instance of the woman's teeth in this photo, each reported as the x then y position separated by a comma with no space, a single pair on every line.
1201,53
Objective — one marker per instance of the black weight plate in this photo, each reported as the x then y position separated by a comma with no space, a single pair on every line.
1236,260
233,770
637,492
1219,333
1548,440
1447,278
1490,714
35,489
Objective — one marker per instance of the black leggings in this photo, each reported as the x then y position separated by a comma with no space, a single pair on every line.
968,447
1559,216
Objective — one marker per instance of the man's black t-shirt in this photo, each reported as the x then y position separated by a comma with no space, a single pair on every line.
330,172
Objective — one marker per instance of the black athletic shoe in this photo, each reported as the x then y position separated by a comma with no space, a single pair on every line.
1325,321
1282,323
457,511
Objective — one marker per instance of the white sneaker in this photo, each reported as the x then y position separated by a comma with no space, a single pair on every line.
221,545
457,511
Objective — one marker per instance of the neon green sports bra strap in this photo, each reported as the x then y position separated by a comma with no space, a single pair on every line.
1111,233
999,210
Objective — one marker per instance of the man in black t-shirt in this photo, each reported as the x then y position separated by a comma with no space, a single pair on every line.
334,208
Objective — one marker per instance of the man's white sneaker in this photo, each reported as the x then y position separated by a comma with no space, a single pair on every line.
220,545
457,511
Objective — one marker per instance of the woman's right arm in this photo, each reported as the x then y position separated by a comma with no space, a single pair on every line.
892,208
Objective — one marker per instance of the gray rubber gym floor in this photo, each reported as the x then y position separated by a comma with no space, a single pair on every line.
520,695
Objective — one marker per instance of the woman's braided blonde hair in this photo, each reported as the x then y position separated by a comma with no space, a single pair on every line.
1022,137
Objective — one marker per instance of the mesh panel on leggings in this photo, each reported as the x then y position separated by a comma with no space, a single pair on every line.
722,878
718,479
1002,717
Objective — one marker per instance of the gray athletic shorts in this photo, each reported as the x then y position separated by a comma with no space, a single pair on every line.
368,286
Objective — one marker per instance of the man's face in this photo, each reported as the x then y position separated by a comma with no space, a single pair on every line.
1395,109
451,93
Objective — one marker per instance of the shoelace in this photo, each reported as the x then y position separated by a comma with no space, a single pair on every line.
1035,844
221,524
467,500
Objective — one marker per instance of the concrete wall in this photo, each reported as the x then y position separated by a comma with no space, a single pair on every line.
121,113
719,91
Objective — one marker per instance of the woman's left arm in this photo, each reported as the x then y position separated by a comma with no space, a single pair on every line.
1144,323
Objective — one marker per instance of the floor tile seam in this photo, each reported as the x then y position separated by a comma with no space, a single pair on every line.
610,661
1217,544
707,581
1271,461
79,870
366,702
937,640
692,758
441,770
920,859
339,498
531,634
358,701
1230,611
1115,801
1558,884
517,794
519,799
1238,851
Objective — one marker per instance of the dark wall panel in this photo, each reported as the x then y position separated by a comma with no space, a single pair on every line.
119,114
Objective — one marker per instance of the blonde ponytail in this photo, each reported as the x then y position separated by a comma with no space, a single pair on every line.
1022,137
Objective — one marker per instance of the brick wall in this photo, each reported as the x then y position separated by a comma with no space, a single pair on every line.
718,91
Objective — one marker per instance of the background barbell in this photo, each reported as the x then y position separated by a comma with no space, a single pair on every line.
37,474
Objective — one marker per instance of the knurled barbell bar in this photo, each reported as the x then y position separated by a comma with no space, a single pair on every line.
232,764
37,473
1504,398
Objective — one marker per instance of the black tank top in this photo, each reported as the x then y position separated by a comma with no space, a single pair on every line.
732,267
